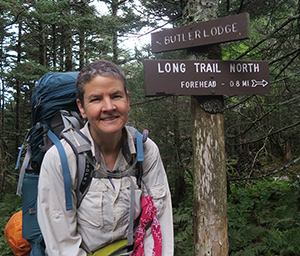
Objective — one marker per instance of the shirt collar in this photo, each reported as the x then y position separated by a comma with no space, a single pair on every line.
128,148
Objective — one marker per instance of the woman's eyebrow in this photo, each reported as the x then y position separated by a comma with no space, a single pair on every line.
117,92
94,95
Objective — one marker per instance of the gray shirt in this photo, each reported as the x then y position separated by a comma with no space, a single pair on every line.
103,216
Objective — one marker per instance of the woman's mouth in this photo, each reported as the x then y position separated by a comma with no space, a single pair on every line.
111,118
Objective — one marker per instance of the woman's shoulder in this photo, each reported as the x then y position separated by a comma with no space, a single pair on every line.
150,145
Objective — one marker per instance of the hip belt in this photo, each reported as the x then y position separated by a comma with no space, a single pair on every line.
117,248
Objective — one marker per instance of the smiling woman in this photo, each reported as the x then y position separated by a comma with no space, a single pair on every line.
106,106
119,190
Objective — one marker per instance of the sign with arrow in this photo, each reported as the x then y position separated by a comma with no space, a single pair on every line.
206,77
262,83
225,29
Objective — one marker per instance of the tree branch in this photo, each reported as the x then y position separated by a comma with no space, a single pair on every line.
270,134
286,66
290,19
261,117
157,27
267,174
284,56
239,103
15,20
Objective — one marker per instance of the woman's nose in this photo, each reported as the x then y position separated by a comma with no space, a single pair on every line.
108,105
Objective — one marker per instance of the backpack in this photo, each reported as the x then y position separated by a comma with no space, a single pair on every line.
55,115
53,107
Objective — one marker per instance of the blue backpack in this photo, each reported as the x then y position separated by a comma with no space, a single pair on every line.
53,106
55,115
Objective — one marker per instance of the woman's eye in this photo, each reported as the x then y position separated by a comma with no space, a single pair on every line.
95,99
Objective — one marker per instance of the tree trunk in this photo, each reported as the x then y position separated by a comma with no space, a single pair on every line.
1,167
210,185
2,90
69,45
81,36
42,45
54,51
114,8
61,54
18,94
81,49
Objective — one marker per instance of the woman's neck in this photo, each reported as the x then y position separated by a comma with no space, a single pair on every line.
110,147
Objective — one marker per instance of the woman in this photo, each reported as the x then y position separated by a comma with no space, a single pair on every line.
104,214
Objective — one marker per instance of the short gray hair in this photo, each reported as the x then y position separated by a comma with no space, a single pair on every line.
98,67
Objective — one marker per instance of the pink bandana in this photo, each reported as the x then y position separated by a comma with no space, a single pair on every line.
148,215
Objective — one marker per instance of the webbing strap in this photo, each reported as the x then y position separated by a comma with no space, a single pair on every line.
19,157
99,173
131,214
112,249
22,171
21,149
65,169
139,146
24,165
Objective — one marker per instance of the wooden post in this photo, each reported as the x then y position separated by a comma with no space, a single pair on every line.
210,195
172,77
177,77
210,185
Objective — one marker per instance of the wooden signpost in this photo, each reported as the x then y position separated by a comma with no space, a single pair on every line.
206,81
210,77
225,29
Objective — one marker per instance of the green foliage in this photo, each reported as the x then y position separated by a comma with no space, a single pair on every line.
183,225
28,72
273,37
9,205
258,8
264,219
163,10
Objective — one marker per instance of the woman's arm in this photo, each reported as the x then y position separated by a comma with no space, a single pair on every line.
156,181
58,226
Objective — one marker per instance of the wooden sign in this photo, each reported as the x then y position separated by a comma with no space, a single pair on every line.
225,29
206,77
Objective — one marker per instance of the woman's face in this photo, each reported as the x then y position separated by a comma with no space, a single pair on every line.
106,106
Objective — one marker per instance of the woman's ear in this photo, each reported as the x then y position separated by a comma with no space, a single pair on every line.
81,108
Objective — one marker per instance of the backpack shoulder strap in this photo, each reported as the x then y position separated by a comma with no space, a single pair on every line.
82,149
64,119
81,146
139,139
65,169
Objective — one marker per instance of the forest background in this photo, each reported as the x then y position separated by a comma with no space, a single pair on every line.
261,131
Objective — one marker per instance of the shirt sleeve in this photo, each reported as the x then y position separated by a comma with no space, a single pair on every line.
58,226
156,183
